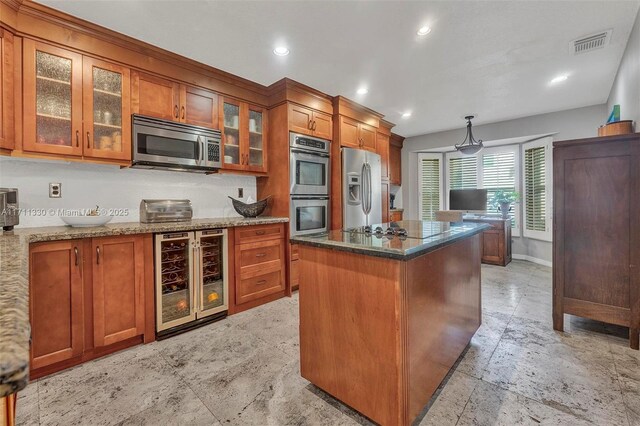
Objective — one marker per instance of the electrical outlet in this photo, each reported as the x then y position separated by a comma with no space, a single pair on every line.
240,192
55,190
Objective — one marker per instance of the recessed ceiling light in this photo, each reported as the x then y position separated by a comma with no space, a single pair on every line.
559,79
362,91
423,31
281,51
406,114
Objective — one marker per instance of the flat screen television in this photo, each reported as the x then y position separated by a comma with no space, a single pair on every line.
468,199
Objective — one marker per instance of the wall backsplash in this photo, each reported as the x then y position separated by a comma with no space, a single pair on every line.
88,185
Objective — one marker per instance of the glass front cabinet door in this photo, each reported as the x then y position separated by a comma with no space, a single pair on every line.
52,99
244,136
75,105
106,110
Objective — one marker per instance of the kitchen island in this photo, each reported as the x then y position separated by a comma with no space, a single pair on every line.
384,316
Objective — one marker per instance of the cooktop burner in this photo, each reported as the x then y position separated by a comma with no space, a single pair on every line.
404,229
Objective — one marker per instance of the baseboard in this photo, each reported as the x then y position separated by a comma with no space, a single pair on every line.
532,259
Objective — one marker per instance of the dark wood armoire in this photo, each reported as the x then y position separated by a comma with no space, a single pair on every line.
596,232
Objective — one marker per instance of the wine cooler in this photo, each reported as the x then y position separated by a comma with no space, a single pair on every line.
191,279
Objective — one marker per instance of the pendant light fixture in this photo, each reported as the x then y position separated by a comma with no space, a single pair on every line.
469,145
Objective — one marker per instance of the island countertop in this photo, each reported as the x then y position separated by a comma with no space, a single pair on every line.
14,280
424,236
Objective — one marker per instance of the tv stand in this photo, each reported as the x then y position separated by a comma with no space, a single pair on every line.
496,242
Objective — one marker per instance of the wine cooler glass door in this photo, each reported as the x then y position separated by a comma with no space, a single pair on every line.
174,280
212,267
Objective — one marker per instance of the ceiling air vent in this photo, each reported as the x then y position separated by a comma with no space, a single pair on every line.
591,42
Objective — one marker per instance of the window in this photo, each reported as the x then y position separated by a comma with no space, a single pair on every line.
430,185
494,168
536,199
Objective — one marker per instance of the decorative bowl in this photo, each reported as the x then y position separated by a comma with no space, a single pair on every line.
250,210
86,221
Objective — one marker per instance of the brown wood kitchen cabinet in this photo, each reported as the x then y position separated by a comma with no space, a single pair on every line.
169,100
7,95
260,272
244,141
596,231
56,302
395,216
89,298
310,122
354,134
118,288
75,105
395,159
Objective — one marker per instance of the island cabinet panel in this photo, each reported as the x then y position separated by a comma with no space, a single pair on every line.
351,349
118,289
155,97
597,231
56,308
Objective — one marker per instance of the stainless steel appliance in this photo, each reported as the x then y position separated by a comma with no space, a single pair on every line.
309,215
159,211
160,144
362,188
309,177
191,279
9,215
309,165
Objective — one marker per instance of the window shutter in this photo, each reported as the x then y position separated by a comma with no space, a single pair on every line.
535,189
429,187
498,173
463,173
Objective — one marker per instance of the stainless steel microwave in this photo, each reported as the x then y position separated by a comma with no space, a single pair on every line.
161,144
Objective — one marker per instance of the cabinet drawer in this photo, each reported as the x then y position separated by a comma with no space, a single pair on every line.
251,234
259,286
251,254
295,252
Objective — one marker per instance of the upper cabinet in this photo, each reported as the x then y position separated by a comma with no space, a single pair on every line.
52,99
382,145
395,161
6,84
75,105
168,100
310,122
354,134
243,136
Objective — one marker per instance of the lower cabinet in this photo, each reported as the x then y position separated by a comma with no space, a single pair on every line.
87,298
496,244
294,274
260,272
56,294
395,216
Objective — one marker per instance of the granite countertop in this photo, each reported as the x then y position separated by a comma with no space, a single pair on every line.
14,281
396,209
434,235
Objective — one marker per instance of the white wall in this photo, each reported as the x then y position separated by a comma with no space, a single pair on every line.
626,86
88,185
569,124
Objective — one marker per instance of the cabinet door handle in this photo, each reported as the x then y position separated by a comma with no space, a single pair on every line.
97,255
75,250
88,140
261,232
261,254
314,125
310,125
182,112
77,138
175,111
261,282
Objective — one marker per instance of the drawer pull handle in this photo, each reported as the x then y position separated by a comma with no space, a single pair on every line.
97,255
260,232
261,282
75,250
261,254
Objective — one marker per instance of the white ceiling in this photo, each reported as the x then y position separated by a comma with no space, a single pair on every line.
493,58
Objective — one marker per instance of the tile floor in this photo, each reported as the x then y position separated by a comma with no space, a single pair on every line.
244,371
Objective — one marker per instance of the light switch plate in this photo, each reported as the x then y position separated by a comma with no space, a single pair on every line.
55,190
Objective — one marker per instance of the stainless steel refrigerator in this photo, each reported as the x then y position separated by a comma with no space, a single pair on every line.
362,187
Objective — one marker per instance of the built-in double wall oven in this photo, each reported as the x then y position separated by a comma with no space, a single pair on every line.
309,177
